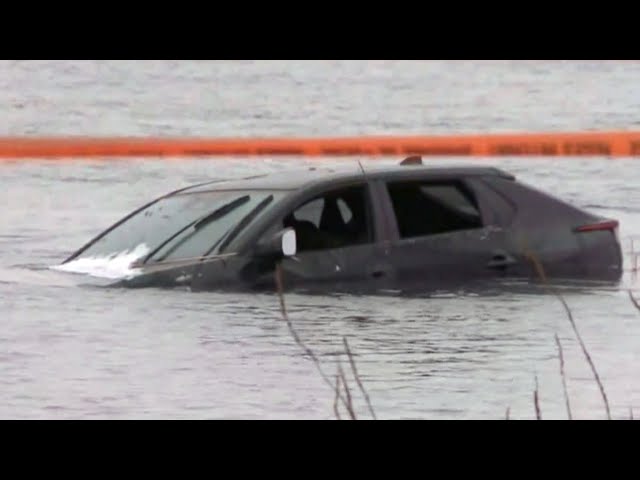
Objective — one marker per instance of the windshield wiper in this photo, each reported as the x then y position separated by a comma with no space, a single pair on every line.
202,221
220,212
232,234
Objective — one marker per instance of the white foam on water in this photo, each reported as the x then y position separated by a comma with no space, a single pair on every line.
114,266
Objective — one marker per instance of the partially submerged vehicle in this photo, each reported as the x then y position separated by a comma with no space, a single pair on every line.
393,227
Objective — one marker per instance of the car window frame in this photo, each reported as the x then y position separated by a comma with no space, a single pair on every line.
390,214
297,199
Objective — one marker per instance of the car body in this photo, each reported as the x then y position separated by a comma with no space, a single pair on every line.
402,226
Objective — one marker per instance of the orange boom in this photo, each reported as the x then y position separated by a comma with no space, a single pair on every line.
614,144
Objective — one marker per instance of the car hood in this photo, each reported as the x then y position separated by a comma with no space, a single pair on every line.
174,273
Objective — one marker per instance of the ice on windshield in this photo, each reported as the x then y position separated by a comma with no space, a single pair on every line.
196,222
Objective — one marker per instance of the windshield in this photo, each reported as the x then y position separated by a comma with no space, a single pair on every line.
184,225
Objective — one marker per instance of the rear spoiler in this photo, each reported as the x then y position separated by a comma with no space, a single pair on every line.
417,160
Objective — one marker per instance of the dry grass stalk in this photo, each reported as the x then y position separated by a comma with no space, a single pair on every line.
352,413
634,301
630,413
536,401
357,377
335,400
296,337
340,377
507,414
564,379
541,273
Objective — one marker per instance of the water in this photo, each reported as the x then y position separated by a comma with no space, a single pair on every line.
69,350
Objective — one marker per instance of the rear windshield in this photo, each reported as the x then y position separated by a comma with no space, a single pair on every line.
185,225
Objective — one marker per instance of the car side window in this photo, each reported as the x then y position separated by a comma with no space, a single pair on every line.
335,219
311,212
431,207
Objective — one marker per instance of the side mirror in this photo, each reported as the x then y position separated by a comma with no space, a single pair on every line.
282,244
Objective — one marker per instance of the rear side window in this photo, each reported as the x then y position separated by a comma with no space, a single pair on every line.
535,206
428,207
498,209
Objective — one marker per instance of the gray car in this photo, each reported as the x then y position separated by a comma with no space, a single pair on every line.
393,227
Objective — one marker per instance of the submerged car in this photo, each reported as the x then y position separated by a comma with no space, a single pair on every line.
389,227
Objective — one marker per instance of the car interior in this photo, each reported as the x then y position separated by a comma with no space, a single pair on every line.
429,208
340,218
335,220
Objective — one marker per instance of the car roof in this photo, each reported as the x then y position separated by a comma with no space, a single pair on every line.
298,178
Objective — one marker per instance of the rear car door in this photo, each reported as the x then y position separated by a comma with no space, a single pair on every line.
443,231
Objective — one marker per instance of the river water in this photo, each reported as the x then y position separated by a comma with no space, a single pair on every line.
68,350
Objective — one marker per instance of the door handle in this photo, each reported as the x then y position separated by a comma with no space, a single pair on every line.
501,260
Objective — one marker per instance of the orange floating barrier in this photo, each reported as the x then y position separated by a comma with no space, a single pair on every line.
613,144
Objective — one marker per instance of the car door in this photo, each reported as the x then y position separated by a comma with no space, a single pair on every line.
442,233
339,242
